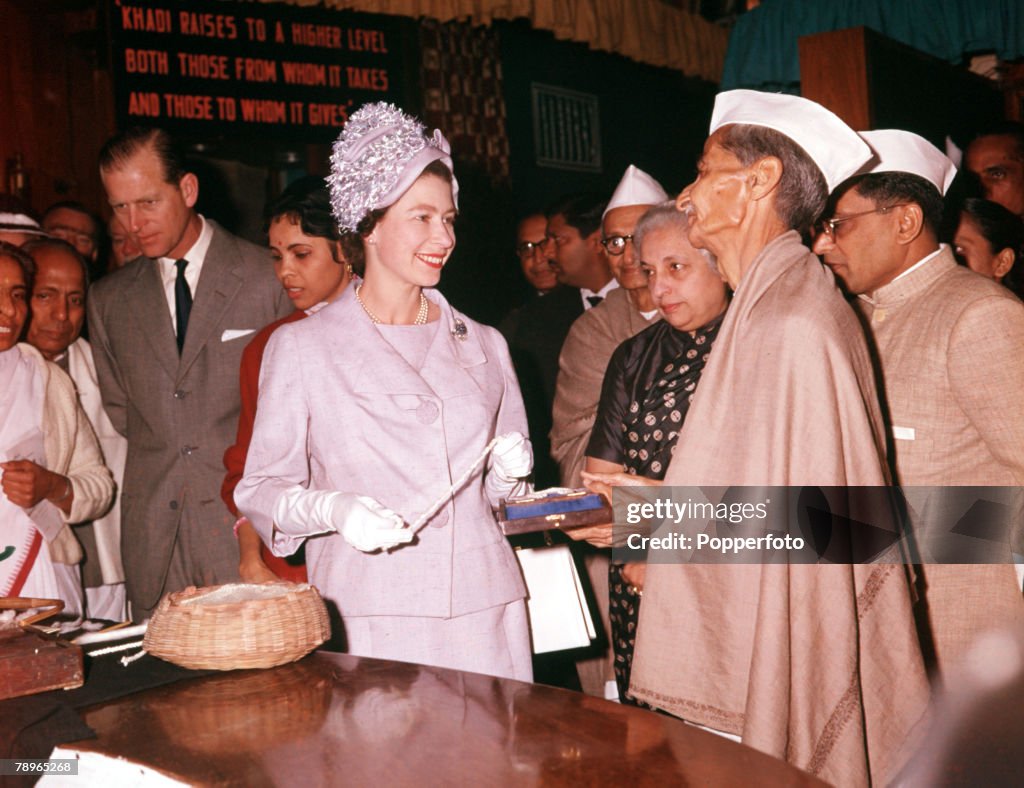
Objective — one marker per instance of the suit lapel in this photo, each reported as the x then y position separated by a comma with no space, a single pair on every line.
147,302
218,284
383,369
450,357
379,368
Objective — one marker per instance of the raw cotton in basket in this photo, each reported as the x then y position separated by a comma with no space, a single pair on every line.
242,592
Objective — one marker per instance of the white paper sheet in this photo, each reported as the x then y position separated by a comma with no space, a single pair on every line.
559,616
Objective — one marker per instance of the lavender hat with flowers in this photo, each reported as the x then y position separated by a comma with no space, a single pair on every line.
379,154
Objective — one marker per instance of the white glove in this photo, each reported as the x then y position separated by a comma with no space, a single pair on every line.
365,523
369,526
510,463
512,457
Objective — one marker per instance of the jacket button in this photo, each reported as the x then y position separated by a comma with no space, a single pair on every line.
180,394
173,504
427,412
187,450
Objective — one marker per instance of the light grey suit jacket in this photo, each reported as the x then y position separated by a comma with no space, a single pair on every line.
340,409
178,413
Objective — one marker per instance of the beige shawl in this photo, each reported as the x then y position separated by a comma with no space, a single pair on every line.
581,367
819,665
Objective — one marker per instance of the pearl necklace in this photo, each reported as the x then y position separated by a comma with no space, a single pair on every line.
421,315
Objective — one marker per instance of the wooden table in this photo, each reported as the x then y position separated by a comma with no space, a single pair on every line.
334,719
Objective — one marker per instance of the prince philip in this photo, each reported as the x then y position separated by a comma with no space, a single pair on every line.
168,332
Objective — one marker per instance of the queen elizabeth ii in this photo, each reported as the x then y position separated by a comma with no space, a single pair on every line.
376,407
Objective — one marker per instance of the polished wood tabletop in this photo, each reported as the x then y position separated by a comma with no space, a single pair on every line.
334,719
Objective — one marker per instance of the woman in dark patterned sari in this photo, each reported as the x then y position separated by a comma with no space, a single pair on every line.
647,390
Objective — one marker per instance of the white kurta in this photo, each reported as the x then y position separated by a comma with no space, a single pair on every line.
107,600
71,450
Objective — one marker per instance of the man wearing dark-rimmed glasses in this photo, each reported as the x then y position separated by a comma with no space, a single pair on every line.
531,250
568,232
626,309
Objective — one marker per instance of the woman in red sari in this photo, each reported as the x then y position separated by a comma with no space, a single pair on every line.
312,269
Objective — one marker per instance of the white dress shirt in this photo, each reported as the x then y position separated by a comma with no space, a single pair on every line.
195,256
585,293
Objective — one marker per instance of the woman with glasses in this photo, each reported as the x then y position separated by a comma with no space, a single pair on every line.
648,387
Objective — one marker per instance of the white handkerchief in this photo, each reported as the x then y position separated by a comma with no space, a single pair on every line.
236,333
903,433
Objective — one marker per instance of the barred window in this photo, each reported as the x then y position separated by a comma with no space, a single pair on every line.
566,129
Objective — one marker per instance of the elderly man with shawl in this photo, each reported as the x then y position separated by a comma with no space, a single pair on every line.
816,664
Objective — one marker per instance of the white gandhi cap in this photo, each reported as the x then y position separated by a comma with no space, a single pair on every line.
903,151
636,188
20,223
830,143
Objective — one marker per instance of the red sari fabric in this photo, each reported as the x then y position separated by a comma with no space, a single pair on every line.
234,457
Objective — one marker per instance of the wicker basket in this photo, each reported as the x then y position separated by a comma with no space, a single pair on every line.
238,626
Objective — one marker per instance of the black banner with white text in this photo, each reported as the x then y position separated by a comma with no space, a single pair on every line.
201,67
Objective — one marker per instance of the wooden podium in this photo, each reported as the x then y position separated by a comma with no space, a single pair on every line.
874,82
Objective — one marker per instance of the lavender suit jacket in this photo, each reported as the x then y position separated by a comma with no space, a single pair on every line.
340,409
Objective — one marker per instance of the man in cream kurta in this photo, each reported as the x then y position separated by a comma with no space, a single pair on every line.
817,664
70,450
104,583
625,312
58,316
584,359
948,343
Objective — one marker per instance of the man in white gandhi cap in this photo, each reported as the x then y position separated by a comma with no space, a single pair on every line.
816,664
625,311
948,343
